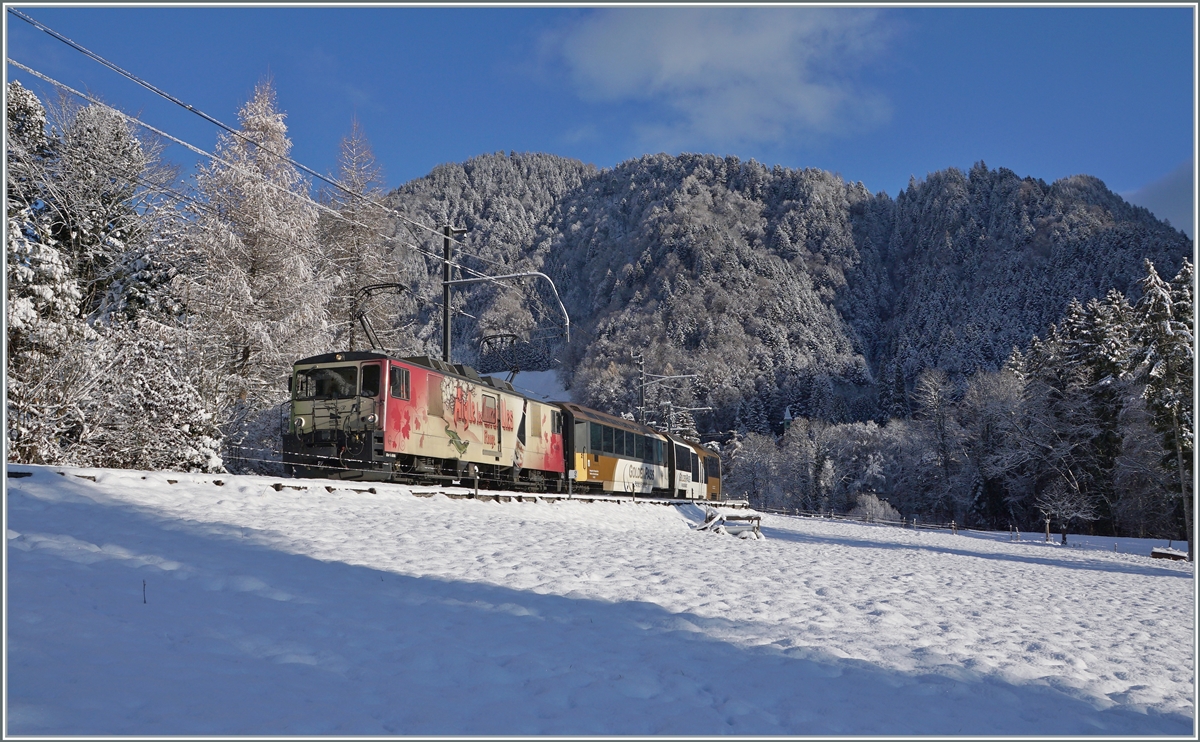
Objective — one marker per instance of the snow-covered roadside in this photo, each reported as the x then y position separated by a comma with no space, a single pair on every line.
309,611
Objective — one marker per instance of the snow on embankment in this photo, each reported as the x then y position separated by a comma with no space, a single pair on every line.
304,611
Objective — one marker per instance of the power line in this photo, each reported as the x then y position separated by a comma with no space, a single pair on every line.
234,132
215,158
134,78
130,76
321,207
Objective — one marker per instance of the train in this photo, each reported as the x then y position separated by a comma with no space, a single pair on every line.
365,415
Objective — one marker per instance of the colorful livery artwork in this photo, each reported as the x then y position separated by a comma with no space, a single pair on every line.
365,415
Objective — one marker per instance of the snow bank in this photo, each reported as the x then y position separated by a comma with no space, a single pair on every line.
308,611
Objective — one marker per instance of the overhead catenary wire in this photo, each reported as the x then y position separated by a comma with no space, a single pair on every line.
333,212
234,132
482,277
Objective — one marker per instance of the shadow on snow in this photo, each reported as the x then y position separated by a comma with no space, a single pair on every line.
1099,565
241,638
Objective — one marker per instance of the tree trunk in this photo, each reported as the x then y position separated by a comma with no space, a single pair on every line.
1183,482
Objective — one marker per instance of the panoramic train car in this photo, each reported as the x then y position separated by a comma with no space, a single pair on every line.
364,415
710,468
694,471
683,466
612,454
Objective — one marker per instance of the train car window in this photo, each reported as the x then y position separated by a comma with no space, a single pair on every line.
556,423
639,447
619,439
712,467
695,466
436,408
682,462
597,437
371,376
327,383
608,439
581,437
398,381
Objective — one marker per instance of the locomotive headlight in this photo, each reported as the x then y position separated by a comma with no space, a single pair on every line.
372,419
299,423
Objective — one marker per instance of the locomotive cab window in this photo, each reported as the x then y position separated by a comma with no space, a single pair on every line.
371,376
398,381
337,382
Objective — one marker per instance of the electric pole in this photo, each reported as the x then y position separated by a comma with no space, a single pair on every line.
448,232
641,361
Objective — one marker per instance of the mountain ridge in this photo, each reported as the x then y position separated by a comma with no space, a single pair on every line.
781,288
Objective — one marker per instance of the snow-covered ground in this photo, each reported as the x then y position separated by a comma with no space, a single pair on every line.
306,611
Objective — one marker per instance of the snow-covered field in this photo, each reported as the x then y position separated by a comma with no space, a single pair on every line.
305,611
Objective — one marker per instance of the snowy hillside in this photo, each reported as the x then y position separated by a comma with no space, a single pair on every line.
159,603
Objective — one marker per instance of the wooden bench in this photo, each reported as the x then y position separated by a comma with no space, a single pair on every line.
732,524
736,524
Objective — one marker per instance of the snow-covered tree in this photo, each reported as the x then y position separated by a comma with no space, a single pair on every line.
1065,502
44,349
88,277
872,510
1167,366
255,301
947,491
754,472
356,249
144,412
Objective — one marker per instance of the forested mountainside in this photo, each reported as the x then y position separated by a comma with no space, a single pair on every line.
779,287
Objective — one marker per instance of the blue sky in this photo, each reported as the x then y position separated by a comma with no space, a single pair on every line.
875,94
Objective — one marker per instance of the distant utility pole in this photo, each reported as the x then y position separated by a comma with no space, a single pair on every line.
672,411
654,379
641,362
448,232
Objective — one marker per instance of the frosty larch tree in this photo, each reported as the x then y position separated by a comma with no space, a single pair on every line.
256,302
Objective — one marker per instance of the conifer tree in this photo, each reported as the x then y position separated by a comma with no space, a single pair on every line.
46,335
1165,314
355,246
255,300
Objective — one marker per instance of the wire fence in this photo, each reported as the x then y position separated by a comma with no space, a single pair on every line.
914,523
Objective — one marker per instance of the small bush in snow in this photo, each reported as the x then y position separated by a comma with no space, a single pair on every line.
872,509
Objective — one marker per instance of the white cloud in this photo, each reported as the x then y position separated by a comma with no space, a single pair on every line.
729,75
1171,197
